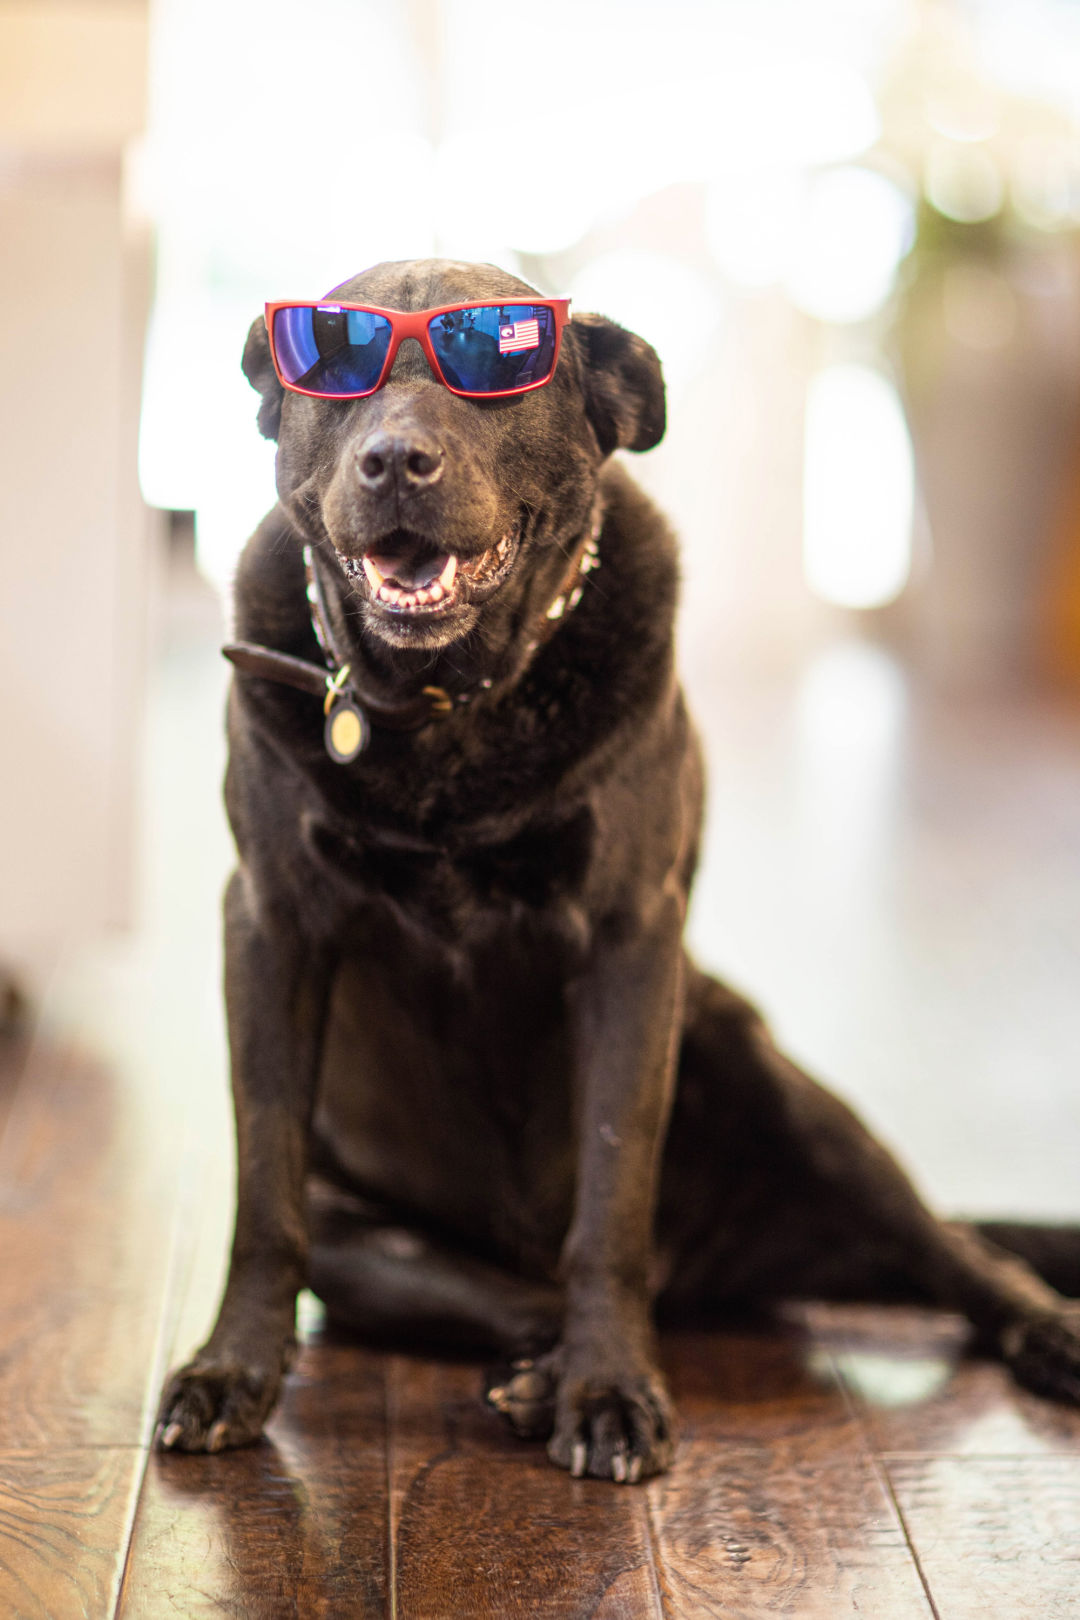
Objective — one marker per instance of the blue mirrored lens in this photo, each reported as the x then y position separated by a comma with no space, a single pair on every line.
331,350
498,347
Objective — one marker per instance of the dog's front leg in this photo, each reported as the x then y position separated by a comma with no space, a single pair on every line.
613,1417
275,992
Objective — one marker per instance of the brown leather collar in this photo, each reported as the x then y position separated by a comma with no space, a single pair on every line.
339,679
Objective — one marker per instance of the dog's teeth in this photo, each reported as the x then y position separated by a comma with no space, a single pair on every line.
393,595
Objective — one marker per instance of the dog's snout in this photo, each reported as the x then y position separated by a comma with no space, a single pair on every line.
412,461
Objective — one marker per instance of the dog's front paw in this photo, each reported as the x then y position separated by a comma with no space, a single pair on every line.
1043,1353
613,1425
216,1402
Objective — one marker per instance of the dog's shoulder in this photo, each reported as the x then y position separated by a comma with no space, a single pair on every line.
270,607
609,671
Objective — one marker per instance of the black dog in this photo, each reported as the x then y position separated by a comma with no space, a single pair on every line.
482,1097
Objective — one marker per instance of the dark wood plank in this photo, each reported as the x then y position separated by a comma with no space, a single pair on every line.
63,1528
483,1525
995,1536
916,1390
296,1525
88,1189
775,1505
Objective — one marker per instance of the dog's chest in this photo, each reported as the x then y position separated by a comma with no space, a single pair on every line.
453,887
446,1087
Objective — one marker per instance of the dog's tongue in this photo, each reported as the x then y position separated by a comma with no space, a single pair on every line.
412,571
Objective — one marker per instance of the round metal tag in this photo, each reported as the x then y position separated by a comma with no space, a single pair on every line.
345,732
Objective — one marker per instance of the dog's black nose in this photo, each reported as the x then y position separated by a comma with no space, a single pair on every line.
412,461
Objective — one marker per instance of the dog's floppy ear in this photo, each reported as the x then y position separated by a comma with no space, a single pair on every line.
260,373
624,386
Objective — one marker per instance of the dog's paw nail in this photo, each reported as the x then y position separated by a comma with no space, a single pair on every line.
619,1471
578,1458
633,1473
171,1436
215,1440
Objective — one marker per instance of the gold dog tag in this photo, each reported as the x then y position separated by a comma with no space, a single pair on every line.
345,732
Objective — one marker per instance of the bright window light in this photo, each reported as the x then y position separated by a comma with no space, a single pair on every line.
751,220
680,324
855,228
963,182
522,210
805,111
858,488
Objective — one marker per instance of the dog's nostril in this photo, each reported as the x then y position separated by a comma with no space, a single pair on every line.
422,466
374,460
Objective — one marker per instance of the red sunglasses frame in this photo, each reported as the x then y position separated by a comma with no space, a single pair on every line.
414,323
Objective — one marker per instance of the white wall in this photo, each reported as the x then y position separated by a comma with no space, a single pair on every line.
73,531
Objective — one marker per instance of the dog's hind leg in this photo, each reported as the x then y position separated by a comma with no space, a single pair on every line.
1051,1250
391,1283
803,1201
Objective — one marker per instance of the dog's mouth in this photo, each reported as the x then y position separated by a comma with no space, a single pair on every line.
408,576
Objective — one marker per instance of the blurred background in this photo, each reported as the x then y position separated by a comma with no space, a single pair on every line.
851,228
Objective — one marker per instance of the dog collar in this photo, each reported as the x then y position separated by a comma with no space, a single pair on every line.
350,710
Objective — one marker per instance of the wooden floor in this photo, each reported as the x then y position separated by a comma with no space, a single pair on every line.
843,1463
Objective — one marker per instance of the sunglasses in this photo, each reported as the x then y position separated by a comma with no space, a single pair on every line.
478,350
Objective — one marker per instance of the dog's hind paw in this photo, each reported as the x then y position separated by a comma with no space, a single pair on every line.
1043,1353
213,1404
524,1394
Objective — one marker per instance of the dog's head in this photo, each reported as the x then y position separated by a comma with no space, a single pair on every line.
414,485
